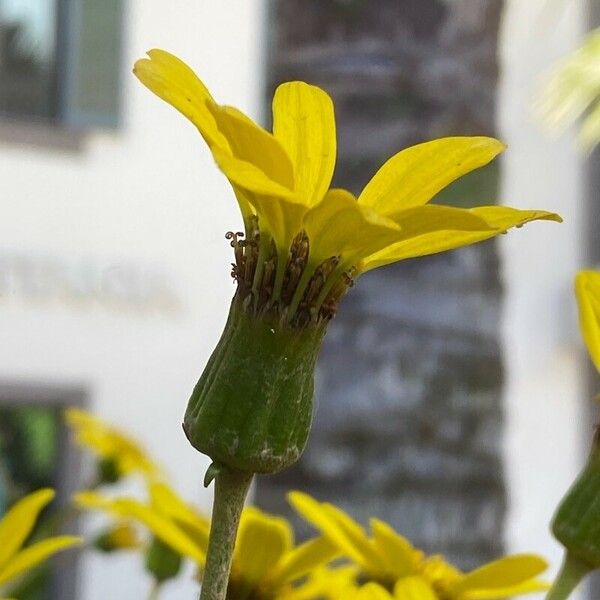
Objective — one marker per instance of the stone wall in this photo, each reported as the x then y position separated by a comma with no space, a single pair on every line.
409,422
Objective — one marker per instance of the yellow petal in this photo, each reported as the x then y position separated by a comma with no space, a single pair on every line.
339,226
529,587
372,591
252,144
587,289
262,542
173,81
332,583
86,499
77,418
304,123
401,558
34,555
249,177
304,559
503,573
421,220
261,174
17,523
245,152
279,214
158,524
108,442
168,502
414,588
415,175
505,217
499,217
339,528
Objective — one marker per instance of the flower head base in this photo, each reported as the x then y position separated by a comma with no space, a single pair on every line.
15,527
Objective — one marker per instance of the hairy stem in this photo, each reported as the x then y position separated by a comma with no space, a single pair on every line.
231,488
571,573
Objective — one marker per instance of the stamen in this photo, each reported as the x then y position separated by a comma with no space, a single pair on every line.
297,293
295,267
328,309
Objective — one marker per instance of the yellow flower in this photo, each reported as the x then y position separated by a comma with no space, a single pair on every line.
15,527
304,241
587,290
265,562
116,450
390,560
573,92
385,557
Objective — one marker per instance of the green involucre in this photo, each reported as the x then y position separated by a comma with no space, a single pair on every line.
576,524
252,408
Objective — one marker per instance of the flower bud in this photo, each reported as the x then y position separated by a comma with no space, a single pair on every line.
163,562
252,408
108,471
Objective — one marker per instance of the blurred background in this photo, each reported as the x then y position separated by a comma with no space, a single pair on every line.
453,392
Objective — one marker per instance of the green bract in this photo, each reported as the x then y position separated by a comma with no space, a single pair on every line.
576,524
251,410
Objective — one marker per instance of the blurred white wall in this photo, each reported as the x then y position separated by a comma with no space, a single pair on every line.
148,194
546,434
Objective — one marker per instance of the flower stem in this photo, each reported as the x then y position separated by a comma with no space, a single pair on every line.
571,573
231,488
154,591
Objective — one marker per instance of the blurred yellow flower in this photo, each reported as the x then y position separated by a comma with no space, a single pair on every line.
15,527
116,450
265,562
385,557
389,560
298,230
587,290
573,92
166,516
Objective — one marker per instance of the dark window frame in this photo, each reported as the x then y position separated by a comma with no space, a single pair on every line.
68,479
63,110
